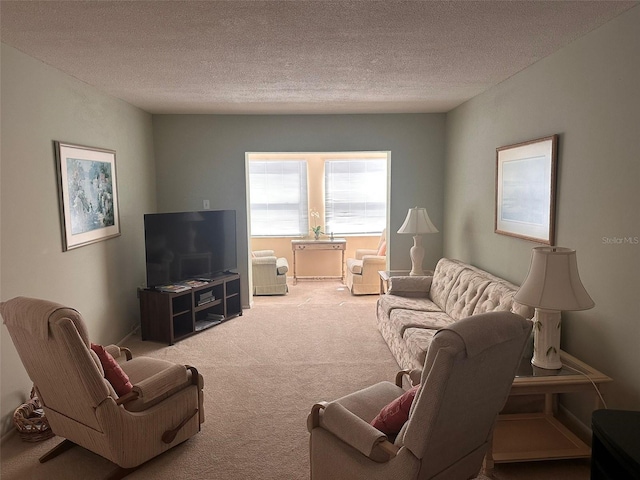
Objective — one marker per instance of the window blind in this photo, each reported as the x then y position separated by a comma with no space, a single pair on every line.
355,196
278,197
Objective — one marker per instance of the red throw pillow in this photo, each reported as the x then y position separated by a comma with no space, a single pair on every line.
394,415
382,251
118,379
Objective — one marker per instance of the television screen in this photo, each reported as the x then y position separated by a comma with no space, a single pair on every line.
185,245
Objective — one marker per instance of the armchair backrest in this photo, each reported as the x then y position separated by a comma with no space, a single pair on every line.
466,379
383,238
53,344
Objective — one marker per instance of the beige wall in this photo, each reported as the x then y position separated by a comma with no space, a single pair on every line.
203,157
40,105
588,94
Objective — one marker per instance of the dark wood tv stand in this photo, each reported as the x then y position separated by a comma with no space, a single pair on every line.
169,317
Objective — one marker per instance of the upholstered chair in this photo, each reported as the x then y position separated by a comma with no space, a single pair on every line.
467,376
269,273
159,405
362,271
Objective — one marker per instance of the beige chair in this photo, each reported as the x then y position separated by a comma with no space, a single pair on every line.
466,379
163,409
269,273
362,271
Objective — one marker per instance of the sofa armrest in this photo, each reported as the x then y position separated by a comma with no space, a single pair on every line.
361,252
408,286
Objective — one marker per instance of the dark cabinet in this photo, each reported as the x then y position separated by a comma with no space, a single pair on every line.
615,449
169,317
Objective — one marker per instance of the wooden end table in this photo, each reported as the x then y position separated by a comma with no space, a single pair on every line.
542,436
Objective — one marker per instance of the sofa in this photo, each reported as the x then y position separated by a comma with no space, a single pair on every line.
414,308
269,273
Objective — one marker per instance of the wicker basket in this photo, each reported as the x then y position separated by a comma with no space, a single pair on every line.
30,421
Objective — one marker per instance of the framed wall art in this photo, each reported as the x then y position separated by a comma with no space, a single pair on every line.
526,190
88,194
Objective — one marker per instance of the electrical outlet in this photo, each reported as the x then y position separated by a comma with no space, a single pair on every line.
206,205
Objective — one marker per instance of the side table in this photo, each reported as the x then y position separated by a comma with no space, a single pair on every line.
615,445
541,435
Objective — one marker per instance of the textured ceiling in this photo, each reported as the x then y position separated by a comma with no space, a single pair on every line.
296,56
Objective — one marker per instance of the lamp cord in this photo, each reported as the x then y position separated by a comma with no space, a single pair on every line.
592,383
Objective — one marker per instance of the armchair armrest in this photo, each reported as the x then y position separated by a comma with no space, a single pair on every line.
354,431
379,260
282,265
116,352
414,375
408,286
161,383
152,388
400,375
263,253
361,252
264,260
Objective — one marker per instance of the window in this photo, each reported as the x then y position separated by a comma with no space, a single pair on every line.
355,195
278,194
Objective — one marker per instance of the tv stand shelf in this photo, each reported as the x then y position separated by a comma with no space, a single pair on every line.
169,317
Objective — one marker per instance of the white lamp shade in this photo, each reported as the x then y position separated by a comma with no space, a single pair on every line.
553,282
417,222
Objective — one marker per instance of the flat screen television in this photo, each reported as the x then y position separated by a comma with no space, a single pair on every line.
186,245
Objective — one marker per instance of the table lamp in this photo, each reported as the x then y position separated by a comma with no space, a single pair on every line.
552,285
417,223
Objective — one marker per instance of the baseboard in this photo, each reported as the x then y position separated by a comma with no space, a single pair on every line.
129,335
7,436
575,425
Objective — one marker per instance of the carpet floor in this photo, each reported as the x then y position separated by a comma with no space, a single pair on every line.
262,373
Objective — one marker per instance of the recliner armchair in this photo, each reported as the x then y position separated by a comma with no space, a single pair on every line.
362,271
269,273
163,409
467,376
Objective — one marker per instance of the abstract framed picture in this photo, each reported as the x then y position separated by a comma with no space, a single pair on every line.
88,194
526,190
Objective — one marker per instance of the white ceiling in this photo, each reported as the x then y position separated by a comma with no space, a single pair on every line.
296,56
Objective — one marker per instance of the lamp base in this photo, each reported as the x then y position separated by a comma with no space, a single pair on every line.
417,256
546,339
